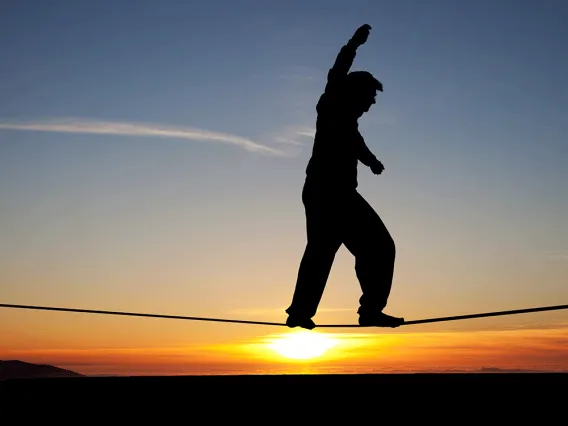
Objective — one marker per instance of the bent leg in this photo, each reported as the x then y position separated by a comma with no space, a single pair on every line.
367,238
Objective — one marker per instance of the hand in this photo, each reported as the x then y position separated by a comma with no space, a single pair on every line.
360,36
377,167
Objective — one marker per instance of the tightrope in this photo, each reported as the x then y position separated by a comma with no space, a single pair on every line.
237,321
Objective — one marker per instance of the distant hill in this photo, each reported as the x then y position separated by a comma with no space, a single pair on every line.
26,370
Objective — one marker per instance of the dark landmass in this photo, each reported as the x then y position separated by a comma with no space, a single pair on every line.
25,370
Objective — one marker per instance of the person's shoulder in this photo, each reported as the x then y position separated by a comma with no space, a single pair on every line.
327,101
322,102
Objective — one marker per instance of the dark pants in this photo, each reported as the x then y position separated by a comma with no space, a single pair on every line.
343,217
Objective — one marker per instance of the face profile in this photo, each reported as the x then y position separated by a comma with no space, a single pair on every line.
365,100
361,89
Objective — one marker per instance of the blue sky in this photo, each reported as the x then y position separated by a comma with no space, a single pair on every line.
471,128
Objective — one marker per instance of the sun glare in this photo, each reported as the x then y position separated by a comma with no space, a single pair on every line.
302,345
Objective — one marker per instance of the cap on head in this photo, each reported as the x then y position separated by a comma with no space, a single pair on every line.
363,80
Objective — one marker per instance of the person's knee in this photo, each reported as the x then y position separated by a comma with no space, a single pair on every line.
386,249
383,249
321,251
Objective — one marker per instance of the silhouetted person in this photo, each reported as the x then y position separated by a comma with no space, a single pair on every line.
335,212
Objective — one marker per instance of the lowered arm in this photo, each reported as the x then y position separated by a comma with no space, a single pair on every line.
364,154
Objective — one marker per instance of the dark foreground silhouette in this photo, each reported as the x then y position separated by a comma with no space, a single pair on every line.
336,213
401,399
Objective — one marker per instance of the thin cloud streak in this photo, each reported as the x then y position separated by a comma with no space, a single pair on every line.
295,135
562,255
114,128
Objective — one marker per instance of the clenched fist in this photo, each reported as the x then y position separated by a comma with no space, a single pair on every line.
377,167
361,35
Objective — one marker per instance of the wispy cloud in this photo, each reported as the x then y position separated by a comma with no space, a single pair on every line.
560,255
295,135
116,128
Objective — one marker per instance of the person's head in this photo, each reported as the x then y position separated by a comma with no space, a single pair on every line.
361,90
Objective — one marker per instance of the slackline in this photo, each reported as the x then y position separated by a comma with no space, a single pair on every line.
179,317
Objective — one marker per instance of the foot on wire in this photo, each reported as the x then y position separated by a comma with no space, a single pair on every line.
380,319
306,323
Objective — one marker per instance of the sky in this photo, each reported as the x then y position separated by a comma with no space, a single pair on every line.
152,156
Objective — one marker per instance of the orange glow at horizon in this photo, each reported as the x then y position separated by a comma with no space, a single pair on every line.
322,353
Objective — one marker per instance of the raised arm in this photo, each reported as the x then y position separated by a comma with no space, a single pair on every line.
346,55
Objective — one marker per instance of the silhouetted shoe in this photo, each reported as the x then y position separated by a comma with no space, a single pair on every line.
306,323
379,320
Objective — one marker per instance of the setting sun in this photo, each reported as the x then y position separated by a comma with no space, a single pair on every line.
302,345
